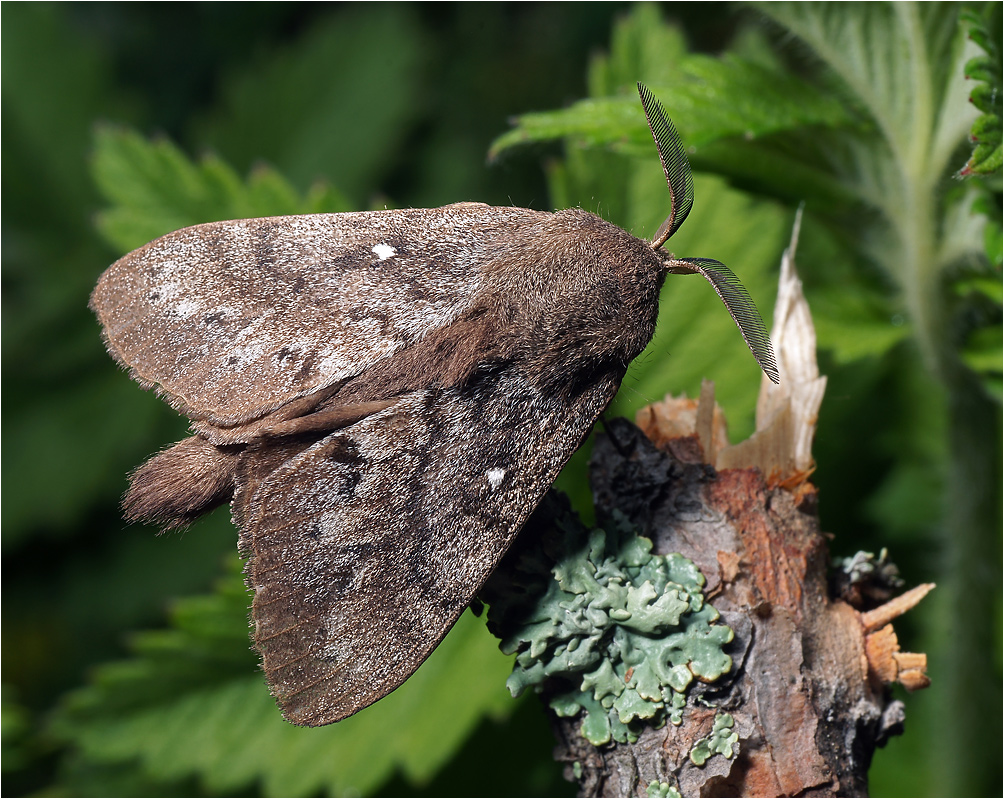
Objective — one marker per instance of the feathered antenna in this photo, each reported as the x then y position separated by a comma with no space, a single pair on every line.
674,164
740,305
737,300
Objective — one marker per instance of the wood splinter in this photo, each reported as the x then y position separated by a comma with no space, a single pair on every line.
884,662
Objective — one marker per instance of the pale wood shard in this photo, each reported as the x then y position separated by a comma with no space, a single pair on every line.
886,664
879,648
786,413
882,615
912,670
676,418
885,660
705,420
794,337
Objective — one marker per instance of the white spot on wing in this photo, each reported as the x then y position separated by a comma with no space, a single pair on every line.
495,477
185,308
384,251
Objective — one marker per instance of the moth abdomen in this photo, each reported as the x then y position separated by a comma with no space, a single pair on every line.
176,486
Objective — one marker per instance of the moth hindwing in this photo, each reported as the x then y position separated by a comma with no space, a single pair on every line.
384,398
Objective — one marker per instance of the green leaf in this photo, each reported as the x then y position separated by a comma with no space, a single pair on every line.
191,702
855,323
154,189
985,30
897,59
642,47
315,118
709,99
591,122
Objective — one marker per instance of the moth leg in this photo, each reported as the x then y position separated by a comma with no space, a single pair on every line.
176,486
325,421
245,433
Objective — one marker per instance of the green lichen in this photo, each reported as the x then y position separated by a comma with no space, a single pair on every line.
617,633
663,789
721,741
866,566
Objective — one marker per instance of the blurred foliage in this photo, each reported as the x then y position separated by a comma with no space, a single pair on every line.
985,134
191,701
155,189
860,111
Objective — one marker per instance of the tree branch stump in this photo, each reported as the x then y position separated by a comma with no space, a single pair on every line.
808,691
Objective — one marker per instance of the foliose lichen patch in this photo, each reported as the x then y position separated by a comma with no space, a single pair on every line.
662,790
617,632
723,740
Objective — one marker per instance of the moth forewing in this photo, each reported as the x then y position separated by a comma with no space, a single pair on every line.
399,519
297,303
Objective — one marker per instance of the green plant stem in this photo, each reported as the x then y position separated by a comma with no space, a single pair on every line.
916,149
973,542
971,537
972,511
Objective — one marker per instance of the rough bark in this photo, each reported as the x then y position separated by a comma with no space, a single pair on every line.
807,712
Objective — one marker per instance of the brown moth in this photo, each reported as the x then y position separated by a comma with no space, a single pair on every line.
384,398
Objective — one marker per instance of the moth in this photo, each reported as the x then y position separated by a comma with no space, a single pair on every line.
384,398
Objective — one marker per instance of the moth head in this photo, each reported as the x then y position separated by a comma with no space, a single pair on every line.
681,192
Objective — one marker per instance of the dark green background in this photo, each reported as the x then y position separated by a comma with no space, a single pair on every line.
402,110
